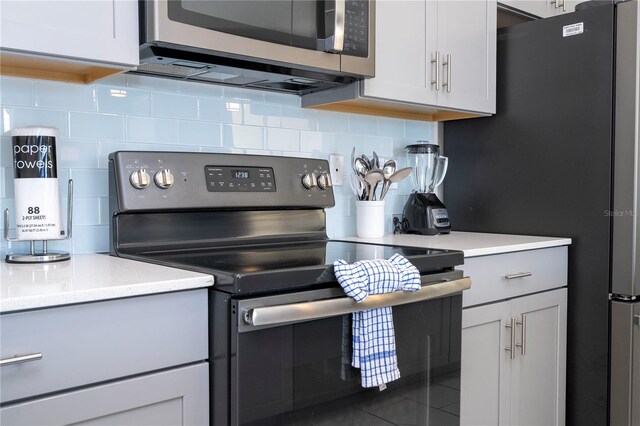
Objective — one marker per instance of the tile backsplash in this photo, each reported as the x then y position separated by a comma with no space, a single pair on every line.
132,112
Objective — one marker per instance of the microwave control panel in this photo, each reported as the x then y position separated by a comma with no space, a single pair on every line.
356,28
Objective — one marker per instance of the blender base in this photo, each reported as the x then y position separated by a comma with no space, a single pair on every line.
425,214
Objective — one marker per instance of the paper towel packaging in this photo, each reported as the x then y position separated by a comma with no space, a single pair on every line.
37,199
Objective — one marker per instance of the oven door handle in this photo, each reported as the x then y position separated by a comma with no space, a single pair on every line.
305,311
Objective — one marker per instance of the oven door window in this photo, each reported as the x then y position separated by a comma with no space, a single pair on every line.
301,374
287,22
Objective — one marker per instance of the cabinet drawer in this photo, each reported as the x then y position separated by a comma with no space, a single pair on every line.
94,342
508,275
179,396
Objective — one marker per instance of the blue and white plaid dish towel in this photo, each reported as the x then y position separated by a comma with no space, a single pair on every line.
374,343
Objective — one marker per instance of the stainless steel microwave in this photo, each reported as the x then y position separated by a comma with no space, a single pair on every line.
298,46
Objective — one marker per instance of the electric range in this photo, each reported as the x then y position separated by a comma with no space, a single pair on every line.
279,322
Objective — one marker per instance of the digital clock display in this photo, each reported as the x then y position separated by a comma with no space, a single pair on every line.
239,179
240,174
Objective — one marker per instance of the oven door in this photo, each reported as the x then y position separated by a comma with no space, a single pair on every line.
291,359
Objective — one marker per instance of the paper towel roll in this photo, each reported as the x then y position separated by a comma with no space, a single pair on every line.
38,215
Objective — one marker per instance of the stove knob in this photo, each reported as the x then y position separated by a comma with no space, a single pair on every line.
140,179
324,181
164,179
309,180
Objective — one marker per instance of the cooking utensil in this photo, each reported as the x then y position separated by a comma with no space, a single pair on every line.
366,159
375,164
372,178
361,166
353,159
375,161
358,186
388,169
395,178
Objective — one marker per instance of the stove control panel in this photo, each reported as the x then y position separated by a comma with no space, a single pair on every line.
239,179
148,180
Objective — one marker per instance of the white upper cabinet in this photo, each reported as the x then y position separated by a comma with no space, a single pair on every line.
541,8
402,41
435,60
42,38
466,46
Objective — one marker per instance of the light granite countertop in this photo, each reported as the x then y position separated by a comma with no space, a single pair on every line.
471,243
88,278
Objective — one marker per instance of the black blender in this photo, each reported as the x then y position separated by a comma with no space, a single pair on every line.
424,213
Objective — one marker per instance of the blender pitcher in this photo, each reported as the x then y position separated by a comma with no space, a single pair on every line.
429,168
424,213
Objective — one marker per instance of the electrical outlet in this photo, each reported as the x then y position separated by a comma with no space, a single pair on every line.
336,166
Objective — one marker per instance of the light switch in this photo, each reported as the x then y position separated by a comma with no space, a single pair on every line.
336,166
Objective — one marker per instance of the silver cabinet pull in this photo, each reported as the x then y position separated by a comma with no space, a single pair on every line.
523,334
335,43
436,61
511,325
447,63
18,359
518,275
296,312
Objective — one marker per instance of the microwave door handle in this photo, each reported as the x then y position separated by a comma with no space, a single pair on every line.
305,311
335,43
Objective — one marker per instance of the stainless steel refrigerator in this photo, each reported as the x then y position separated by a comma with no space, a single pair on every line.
560,158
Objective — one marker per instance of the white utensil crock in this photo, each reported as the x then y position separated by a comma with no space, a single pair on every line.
370,219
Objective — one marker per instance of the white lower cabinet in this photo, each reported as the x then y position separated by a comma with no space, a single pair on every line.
513,361
174,397
133,361
514,327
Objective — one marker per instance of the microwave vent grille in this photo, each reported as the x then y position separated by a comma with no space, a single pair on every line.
172,70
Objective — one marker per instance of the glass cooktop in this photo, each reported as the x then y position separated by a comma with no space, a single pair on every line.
277,266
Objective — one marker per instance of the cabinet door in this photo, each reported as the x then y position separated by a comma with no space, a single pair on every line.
173,397
124,337
484,377
467,45
101,31
404,43
542,8
538,372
